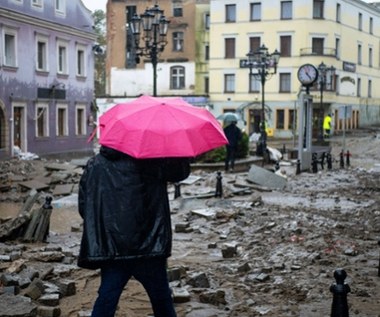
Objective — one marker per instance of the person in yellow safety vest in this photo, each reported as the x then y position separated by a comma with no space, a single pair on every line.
327,126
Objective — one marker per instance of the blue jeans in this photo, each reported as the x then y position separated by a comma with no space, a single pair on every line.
151,273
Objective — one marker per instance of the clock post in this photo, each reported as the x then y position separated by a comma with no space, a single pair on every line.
307,75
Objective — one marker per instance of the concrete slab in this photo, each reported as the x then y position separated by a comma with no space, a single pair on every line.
34,184
263,177
63,190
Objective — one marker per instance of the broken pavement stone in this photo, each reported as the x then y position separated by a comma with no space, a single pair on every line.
213,297
45,311
17,306
180,295
229,250
266,178
199,280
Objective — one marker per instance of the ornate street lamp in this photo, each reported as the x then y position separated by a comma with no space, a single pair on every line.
155,29
265,65
322,72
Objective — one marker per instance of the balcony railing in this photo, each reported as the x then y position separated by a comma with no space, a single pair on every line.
309,51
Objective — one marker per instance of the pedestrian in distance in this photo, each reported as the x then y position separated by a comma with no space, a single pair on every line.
127,227
233,135
327,125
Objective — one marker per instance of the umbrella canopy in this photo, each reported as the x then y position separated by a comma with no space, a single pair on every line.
229,117
150,127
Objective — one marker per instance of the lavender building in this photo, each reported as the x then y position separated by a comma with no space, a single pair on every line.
46,76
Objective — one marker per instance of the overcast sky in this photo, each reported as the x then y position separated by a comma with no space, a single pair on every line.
95,4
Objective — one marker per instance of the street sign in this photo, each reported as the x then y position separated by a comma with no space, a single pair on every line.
244,63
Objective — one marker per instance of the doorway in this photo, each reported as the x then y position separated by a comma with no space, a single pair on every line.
19,128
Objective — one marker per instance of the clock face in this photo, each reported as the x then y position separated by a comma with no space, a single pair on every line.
307,74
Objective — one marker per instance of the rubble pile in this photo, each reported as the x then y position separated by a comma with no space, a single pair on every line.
268,246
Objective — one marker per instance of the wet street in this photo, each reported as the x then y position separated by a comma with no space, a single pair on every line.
257,251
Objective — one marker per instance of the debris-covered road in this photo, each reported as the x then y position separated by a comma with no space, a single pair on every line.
254,252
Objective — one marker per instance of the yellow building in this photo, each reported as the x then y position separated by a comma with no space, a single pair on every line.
343,34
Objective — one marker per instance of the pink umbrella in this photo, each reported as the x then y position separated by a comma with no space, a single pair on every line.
151,127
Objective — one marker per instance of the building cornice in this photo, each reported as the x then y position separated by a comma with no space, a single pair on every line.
27,19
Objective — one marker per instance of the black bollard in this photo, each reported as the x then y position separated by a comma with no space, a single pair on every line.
340,290
283,151
329,161
277,166
177,190
323,160
298,170
314,163
219,187
348,154
341,159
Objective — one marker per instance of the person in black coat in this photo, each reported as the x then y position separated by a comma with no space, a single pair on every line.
127,227
233,135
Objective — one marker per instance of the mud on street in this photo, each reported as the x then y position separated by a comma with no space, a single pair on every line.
255,252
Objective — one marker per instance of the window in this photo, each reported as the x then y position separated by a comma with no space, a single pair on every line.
359,88
286,10
207,52
10,49
285,82
286,45
254,43
207,85
37,3
370,25
229,48
255,11
338,13
62,63
81,61
369,88
317,45
177,9
207,21
337,48
42,121
18,1
177,77
370,57
80,120
178,41
318,9
360,22
62,121
42,54
280,119
230,13
60,7
254,83
229,83
292,122
359,54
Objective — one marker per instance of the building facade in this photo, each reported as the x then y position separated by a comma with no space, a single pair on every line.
176,69
343,34
46,76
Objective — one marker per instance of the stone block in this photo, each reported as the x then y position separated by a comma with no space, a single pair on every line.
180,295
45,311
263,177
50,300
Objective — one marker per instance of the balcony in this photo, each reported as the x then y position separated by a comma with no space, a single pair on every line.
310,51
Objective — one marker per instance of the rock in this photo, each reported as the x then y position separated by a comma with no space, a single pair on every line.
199,280
213,297
17,306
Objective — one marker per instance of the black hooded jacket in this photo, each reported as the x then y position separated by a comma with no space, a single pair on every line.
125,208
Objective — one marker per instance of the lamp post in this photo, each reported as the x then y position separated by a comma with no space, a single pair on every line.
155,28
266,66
322,71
